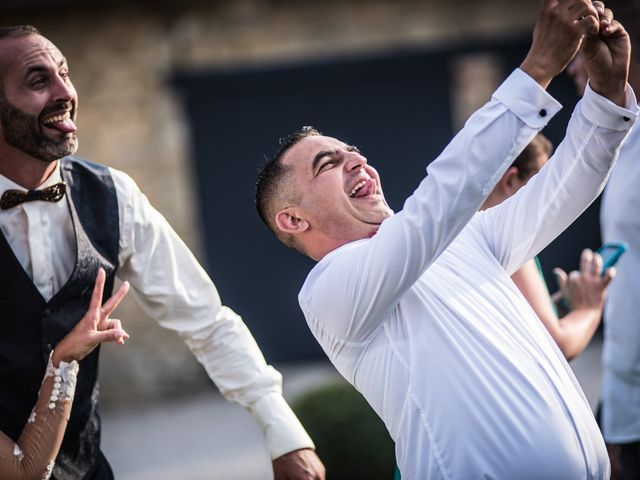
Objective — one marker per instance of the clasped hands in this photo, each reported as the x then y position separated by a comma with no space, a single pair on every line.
565,27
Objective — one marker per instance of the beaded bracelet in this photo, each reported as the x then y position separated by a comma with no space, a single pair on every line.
65,376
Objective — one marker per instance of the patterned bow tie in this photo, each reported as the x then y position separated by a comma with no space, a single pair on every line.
12,198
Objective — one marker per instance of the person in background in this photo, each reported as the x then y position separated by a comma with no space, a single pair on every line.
583,291
61,219
620,222
32,456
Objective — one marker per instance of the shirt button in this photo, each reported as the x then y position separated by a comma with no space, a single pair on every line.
626,119
543,112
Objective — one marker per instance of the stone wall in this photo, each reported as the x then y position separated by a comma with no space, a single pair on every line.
121,59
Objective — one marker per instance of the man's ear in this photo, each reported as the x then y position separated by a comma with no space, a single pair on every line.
290,221
510,182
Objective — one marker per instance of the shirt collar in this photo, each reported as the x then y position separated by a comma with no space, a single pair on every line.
55,177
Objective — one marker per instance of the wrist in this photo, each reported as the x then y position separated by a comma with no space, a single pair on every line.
537,71
60,354
590,311
616,93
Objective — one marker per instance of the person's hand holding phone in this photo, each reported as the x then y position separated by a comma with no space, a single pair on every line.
611,253
585,289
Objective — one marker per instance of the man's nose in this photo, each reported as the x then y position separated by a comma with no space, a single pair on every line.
354,161
64,89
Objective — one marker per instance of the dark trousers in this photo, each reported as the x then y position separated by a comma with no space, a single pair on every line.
625,461
624,457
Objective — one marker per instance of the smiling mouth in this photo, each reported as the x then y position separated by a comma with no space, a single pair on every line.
363,189
60,121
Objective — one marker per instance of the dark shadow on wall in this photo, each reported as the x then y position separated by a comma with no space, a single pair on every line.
395,107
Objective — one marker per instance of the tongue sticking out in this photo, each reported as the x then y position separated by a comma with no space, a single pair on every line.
66,125
367,189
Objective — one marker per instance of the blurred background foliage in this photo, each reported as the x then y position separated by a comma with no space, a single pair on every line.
350,438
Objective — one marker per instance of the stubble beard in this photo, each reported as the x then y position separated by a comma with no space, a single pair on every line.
22,131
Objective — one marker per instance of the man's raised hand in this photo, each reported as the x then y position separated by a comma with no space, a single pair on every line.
606,56
557,37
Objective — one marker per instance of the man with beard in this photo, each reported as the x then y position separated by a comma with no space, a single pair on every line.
62,219
417,309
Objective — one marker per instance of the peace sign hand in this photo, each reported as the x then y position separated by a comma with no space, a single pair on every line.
95,327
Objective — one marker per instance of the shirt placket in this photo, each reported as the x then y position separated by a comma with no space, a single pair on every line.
39,245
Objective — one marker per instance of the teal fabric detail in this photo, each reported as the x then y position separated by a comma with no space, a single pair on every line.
553,305
396,474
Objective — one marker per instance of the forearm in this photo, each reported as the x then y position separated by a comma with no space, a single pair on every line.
464,174
32,456
576,330
523,225
231,357
174,290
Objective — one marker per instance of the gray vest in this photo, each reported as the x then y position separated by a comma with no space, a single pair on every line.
31,327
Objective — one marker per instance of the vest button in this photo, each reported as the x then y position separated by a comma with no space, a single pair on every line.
46,311
49,347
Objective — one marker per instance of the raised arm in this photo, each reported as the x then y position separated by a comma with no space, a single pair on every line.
523,225
32,456
355,292
458,181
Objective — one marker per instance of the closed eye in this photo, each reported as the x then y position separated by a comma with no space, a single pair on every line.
327,165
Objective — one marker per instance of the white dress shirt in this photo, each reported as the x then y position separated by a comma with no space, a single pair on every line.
425,321
172,288
620,222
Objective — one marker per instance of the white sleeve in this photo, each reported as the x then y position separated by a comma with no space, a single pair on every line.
174,289
523,225
354,293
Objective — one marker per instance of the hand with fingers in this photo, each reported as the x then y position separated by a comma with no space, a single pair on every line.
301,464
42,435
557,37
606,55
95,327
585,289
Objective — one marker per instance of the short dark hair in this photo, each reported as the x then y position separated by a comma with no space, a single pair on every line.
526,161
269,194
18,31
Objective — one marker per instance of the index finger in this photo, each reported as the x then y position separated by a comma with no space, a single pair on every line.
586,261
586,15
98,288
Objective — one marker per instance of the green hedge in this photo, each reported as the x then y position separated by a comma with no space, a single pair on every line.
350,438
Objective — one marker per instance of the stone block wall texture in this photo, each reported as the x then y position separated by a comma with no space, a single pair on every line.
122,56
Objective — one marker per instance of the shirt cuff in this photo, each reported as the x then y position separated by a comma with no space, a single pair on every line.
522,95
603,112
282,430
